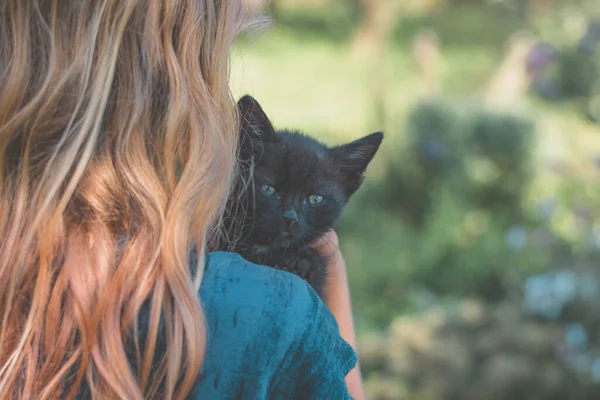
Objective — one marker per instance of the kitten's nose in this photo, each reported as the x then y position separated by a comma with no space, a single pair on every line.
290,218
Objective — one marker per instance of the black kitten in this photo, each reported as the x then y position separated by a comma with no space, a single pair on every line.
290,191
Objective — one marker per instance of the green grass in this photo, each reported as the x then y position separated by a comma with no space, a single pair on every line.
322,87
305,84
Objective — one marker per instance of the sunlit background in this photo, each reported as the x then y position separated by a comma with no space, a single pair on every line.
473,246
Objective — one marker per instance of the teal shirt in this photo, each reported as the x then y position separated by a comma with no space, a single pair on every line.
269,336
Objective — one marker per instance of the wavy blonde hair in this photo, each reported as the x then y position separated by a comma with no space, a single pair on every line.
117,142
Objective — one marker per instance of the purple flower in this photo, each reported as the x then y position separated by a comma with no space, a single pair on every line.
540,56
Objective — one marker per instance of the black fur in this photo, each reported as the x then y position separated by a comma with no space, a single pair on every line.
296,167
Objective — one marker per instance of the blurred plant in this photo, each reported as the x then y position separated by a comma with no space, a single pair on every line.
457,188
548,295
578,71
484,159
502,163
478,350
432,155
569,298
334,19
575,220
452,199
571,73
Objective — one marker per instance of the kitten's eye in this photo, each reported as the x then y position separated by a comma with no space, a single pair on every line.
268,189
315,199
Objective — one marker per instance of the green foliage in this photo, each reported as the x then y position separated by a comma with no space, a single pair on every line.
432,154
335,20
452,199
484,159
479,26
502,147
578,74
574,77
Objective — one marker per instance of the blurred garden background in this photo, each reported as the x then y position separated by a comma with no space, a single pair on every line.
473,246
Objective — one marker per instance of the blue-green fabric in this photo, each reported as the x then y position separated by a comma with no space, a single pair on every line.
269,336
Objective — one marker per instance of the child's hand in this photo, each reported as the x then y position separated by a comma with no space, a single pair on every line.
328,245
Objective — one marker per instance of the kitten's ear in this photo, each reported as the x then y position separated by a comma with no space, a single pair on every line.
353,158
253,120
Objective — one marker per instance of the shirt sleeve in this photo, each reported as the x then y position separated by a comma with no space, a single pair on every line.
316,365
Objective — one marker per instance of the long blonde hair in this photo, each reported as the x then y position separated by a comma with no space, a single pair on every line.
117,146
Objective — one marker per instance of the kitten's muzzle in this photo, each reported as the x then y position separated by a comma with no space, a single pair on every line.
289,217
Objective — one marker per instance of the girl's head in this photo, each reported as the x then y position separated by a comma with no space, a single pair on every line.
117,146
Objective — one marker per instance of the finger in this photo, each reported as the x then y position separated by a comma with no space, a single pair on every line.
328,243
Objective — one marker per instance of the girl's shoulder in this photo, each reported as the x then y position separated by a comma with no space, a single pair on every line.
268,332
